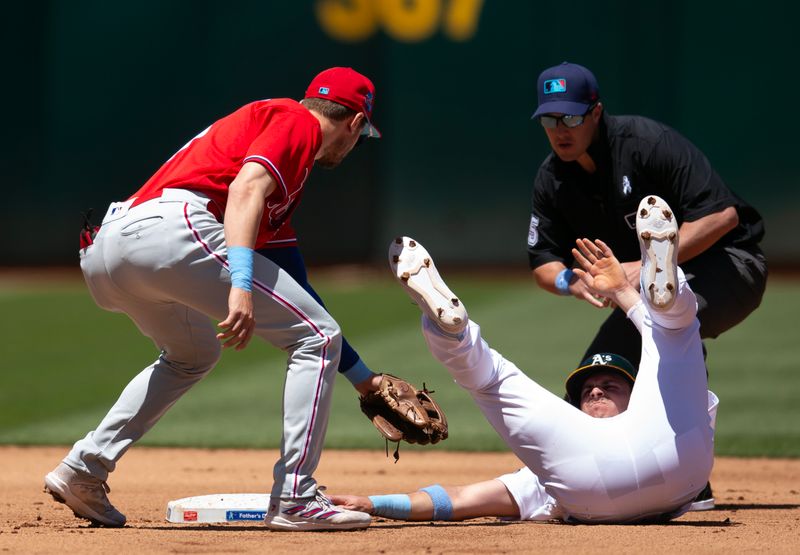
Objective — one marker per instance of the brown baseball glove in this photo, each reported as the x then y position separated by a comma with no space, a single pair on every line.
401,412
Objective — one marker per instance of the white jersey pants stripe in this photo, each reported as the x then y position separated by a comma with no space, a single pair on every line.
164,264
647,462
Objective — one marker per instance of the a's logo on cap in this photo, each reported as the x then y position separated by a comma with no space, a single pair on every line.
555,86
600,360
324,90
368,102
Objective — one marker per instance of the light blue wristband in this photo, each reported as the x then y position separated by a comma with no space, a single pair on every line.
358,372
562,281
442,506
240,265
395,506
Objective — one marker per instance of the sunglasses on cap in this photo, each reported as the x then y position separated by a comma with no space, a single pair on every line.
568,120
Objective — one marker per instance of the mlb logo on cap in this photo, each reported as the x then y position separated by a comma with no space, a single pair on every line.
324,90
556,98
555,86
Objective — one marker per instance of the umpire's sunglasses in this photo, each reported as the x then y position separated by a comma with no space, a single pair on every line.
569,120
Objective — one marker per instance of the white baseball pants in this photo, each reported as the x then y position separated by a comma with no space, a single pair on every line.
648,462
163,263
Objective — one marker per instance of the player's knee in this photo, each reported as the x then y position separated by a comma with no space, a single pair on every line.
195,363
330,333
330,328
323,334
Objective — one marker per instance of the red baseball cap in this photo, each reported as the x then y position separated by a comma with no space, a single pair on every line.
347,87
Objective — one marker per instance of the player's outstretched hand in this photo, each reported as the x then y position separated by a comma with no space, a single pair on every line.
352,503
581,291
237,328
600,270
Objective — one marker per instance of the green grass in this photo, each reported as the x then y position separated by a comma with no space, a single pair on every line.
65,361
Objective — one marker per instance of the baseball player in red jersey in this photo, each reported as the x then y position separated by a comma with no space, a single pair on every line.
181,250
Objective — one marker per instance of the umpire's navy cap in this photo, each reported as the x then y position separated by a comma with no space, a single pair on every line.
566,89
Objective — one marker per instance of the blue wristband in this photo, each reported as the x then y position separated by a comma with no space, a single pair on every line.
442,506
395,506
358,372
240,265
562,280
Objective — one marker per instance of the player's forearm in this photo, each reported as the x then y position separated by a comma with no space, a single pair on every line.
397,506
546,274
699,235
481,499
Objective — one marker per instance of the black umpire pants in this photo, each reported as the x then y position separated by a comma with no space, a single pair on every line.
729,283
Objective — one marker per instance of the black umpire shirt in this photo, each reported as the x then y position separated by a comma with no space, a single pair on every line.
635,157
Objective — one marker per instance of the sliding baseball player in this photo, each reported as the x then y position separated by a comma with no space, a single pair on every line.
632,449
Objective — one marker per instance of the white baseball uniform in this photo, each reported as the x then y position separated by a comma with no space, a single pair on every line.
161,258
649,462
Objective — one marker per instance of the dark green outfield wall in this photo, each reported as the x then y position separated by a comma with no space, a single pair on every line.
97,94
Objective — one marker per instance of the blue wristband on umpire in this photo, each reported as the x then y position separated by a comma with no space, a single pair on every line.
562,280
240,265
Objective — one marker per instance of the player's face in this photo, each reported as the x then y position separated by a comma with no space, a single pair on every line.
343,142
605,394
569,143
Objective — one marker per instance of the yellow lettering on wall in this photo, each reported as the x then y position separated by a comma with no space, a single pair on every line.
461,19
402,20
347,20
410,20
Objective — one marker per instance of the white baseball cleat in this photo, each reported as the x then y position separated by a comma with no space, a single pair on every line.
313,514
84,494
413,267
704,500
657,230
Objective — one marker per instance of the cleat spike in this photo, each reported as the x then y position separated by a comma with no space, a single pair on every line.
658,236
643,213
398,240
415,270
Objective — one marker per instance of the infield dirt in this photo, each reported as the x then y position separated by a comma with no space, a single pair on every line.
758,508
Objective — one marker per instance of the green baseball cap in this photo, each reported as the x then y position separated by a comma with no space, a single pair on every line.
598,361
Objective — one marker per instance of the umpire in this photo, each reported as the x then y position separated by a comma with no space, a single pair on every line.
590,186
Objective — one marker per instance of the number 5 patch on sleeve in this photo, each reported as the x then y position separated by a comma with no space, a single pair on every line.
533,231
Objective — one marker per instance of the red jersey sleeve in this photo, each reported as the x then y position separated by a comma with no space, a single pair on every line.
286,146
279,134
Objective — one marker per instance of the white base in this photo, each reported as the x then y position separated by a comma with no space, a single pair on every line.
219,507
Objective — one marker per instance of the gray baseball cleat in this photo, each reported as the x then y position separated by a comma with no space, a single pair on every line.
657,230
313,514
84,494
413,267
